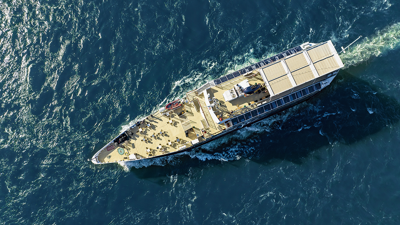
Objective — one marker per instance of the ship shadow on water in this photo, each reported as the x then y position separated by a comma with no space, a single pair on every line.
349,110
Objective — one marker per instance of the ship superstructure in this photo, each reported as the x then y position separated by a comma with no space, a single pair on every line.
227,104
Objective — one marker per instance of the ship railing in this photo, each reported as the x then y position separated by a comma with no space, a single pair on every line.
96,156
205,86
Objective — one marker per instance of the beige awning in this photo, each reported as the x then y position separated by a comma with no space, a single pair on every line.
327,65
292,71
274,71
303,75
320,52
280,84
296,62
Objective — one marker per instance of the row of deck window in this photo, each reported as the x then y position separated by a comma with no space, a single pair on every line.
277,103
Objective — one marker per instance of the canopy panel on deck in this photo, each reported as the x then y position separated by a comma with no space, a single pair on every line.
300,68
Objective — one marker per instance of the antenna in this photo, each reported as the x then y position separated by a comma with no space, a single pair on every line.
344,49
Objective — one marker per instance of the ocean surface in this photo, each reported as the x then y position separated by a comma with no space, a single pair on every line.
74,74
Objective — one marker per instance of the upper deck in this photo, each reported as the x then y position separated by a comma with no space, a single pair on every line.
297,69
219,104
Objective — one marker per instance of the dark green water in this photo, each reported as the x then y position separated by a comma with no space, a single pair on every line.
73,74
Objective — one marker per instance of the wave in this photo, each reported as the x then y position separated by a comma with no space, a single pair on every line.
378,45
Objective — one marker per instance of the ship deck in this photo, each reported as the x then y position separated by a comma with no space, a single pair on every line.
207,111
143,137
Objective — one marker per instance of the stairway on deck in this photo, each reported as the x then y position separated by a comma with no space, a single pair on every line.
207,114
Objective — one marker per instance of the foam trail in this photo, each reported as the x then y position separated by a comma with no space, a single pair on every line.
384,41
149,162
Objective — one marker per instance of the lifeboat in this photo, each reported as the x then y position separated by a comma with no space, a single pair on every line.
173,105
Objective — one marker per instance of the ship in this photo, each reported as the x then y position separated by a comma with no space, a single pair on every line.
227,104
